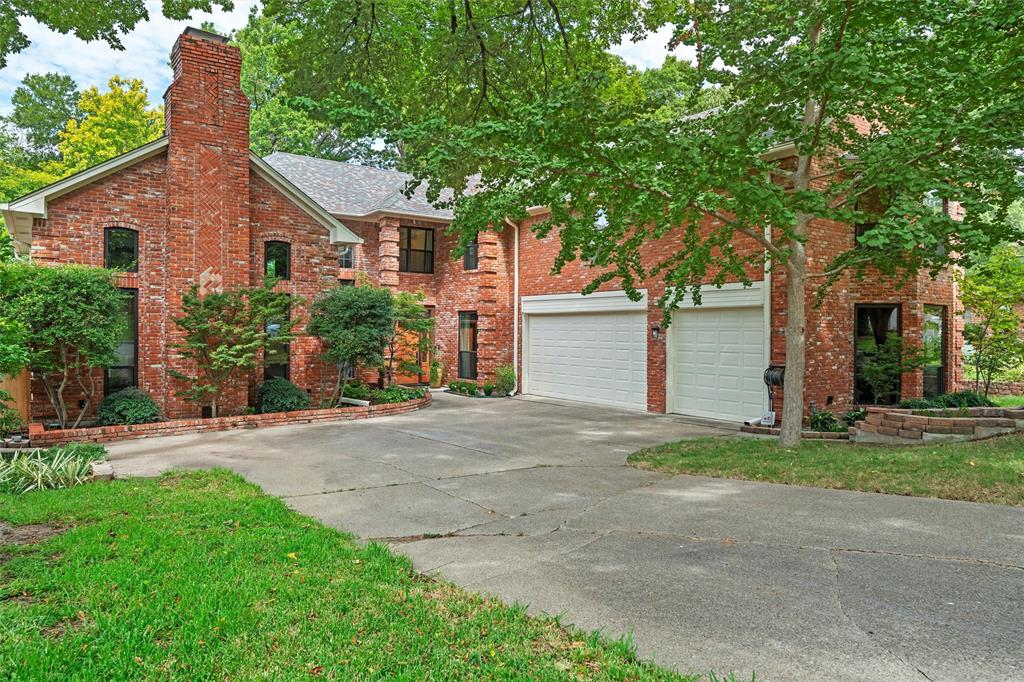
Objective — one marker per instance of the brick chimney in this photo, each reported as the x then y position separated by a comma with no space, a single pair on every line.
207,120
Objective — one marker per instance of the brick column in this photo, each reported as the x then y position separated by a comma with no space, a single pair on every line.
488,327
387,251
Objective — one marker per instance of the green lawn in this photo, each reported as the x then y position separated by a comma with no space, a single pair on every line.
982,471
201,576
1008,400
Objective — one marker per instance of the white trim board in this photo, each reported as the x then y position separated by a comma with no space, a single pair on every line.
730,295
599,301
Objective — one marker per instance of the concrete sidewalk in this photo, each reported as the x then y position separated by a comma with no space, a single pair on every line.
531,501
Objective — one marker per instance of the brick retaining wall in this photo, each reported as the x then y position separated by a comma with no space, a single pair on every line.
1000,387
901,426
106,434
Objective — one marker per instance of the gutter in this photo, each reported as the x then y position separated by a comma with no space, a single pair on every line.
515,303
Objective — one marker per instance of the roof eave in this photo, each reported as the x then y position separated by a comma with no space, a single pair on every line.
379,212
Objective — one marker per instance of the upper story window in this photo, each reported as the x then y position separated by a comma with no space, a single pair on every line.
415,249
121,249
347,257
874,205
471,256
277,259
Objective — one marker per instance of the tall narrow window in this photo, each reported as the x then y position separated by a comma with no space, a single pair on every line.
875,382
124,373
277,257
467,345
415,249
934,336
121,249
347,257
471,256
277,361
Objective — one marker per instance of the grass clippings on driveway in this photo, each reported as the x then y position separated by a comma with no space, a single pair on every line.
202,576
980,471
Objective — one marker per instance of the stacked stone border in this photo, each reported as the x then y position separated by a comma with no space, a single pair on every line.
893,426
106,434
807,435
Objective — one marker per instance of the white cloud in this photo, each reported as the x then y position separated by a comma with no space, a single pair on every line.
652,50
146,53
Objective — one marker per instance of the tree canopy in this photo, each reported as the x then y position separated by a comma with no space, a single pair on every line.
42,106
88,21
901,100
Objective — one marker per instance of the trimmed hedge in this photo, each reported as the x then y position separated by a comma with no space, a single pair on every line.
958,399
127,406
280,395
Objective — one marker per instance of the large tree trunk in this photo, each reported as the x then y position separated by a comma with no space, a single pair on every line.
796,344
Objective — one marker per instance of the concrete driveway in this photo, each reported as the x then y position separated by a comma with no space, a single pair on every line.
531,501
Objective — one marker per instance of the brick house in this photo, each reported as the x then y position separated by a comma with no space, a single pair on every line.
197,207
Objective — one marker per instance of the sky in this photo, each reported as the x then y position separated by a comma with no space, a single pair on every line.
148,46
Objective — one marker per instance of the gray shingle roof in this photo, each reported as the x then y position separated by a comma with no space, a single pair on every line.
348,189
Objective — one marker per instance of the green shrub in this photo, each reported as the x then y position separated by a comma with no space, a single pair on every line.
10,419
395,394
463,387
917,404
280,395
488,388
506,379
94,452
127,406
357,390
823,420
855,415
960,399
60,467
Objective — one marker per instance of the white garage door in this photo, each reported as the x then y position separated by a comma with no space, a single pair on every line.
718,363
591,357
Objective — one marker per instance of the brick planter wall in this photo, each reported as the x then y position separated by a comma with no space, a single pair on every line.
899,426
106,434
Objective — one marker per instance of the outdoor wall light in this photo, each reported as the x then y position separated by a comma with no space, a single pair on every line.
656,331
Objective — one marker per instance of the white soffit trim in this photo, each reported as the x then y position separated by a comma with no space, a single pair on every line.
339,233
730,295
597,302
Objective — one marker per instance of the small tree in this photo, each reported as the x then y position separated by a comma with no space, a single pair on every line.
355,325
991,293
225,334
66,323
409,337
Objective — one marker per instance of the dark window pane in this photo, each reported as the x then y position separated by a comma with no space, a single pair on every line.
874,326
467,345
121,249
277,259
277,360
934,338
471,259
124,372
119,378
415,249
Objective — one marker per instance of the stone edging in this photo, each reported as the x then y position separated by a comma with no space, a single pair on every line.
40,437
901,426
807,435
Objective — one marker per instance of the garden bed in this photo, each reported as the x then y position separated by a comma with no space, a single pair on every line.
40,437
889,425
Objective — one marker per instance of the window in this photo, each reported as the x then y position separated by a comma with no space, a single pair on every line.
934,337
124,373
415,249
121,249
347,257
346,282
277,361
872,205
277,258
875,326
471,256
467,345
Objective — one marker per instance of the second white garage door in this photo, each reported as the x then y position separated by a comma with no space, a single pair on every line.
592,357
718,362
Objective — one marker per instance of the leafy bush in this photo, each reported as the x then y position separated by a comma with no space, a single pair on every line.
463,387
357,390
127,406
60,467
960,399
823,420
854,416
488,388
280,395
10,419
395,394
506,379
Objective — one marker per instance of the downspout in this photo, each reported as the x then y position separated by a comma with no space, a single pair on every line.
515,303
